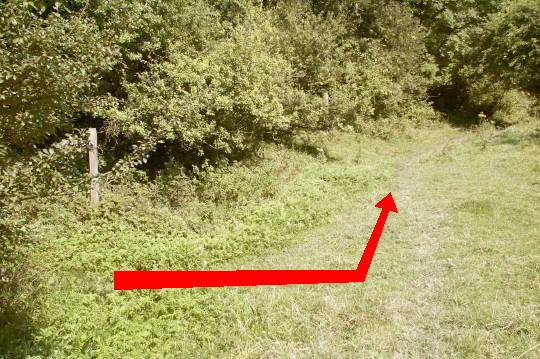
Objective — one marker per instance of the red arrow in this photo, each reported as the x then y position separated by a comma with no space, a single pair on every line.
127,280
387,205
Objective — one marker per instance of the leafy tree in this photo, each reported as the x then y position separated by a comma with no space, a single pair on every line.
223,99
49,66
511,48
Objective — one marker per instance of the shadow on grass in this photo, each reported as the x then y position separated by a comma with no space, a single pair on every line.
469,121
462,120
510,138
309,147
18,298
16,333
17,327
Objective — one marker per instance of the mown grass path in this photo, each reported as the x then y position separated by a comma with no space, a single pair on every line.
442,283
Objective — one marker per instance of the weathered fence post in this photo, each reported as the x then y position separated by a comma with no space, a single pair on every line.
326,99
93,161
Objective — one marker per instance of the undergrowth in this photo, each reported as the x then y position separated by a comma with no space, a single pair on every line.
222,214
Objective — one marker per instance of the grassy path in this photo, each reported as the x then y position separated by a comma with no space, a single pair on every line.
456,273
430,292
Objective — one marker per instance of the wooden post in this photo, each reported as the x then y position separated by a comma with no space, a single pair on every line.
93,161
326,99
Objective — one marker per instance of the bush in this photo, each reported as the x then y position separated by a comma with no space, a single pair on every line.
387,83
48,68
483,48
225,99
513,107
511,50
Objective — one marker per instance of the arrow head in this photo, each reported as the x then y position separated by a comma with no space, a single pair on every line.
387,203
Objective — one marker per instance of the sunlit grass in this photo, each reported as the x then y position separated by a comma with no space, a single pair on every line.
456,273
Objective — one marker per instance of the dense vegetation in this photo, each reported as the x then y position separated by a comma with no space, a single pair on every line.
182,90
189,81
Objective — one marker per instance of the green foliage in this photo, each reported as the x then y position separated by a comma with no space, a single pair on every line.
52,172
269,76
483,49
57,57
513,49
187,96
513,107
48,66
505,60
358,55
199,79
65,62
56,166
450,22
227,214
393,72
224,99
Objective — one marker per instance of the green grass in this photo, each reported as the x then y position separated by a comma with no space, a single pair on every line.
456,273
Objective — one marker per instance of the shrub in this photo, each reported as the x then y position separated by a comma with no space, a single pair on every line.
511,50
483,48
225,99
48,67
513,107
387,83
